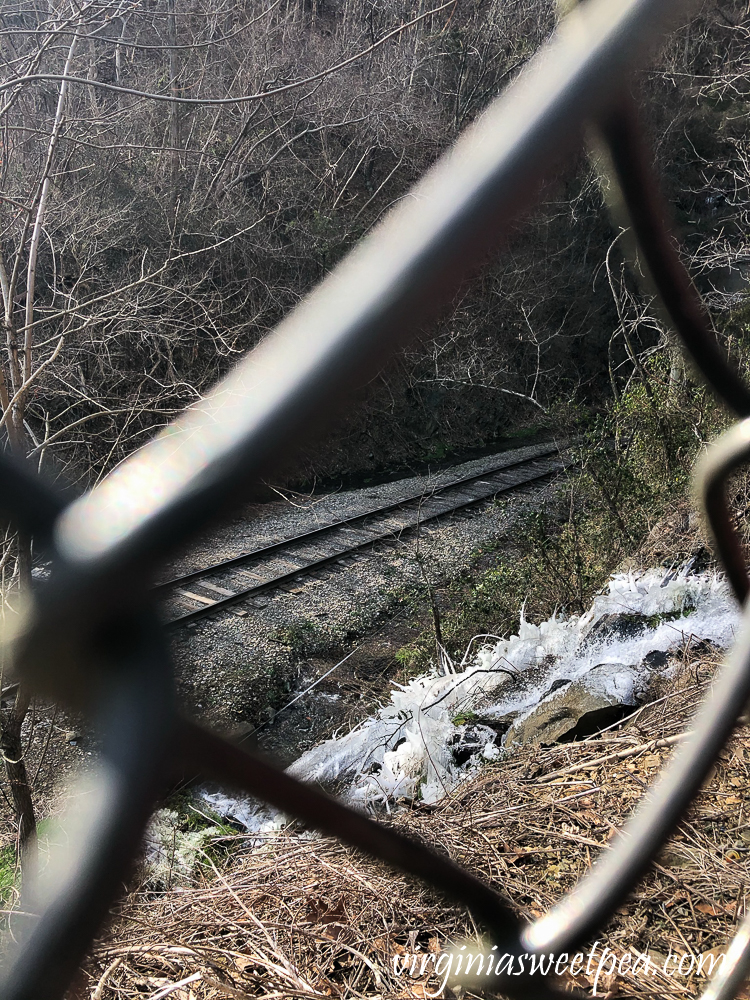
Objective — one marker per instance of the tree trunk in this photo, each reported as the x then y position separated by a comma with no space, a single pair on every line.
11,720
677,371
11,724
174,109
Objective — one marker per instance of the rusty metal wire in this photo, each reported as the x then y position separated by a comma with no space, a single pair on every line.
91,640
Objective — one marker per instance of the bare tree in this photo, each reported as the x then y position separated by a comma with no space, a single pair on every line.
173,177
171,180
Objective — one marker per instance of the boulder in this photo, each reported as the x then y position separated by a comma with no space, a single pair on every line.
657,659
602,696
611,627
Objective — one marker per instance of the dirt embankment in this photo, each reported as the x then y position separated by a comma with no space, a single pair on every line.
289,915
236,671
298,916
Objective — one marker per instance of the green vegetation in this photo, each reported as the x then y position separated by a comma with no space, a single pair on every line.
301,637
49,834
463,718
8,875
633,464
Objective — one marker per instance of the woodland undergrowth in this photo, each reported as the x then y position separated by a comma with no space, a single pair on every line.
630,476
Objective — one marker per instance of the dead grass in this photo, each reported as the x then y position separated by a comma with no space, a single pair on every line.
679,535
308,917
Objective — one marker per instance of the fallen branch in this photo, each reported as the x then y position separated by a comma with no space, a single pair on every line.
615,755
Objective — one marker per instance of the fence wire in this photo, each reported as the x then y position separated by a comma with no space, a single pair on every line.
91,639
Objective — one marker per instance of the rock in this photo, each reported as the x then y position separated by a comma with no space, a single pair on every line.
469,740
599,698
656,659
610,627
561,682
499,724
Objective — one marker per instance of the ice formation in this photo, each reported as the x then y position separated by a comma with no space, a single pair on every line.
170,852
253,816
409,747
424,740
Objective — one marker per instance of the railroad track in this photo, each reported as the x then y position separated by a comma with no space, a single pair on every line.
286,563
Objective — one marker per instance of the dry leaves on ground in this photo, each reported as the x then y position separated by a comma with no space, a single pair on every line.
302,916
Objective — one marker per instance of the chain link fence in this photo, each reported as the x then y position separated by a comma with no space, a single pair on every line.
90,637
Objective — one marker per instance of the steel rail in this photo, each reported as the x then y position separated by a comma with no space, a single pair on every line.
108,542
735,969
392,534
728,454
105,545
346,522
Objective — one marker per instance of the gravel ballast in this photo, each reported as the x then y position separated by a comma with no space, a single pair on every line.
236,667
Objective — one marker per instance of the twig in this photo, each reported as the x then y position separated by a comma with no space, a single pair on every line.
615,755
112,967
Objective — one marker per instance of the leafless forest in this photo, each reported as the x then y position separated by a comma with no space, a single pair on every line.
176,174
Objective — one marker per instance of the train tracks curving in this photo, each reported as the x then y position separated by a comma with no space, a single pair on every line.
236,584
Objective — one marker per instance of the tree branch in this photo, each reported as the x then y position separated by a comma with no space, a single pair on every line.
217,101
